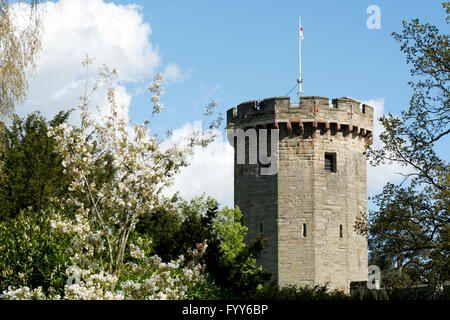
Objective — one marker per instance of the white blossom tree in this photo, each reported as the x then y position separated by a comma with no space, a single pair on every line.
105,213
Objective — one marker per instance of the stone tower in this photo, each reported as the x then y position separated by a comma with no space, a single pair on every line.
307,210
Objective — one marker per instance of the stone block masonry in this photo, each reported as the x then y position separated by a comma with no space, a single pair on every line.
307,210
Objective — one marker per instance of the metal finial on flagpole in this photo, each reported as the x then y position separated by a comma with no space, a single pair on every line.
300,38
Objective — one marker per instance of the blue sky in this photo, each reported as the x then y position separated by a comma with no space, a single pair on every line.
229,51
248,49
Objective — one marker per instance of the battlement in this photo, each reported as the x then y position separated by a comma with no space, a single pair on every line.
343,114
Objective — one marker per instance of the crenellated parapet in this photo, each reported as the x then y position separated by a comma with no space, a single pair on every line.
320,115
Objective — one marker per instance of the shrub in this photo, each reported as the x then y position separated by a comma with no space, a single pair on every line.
293,292
32,253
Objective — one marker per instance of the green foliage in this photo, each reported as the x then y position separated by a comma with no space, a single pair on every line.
318,292
32,254
322,293
393,278
423,293
230,233
178,226
30,170
175,226
406,232
207,290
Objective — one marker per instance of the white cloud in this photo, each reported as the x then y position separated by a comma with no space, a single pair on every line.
115,35
378,176
209,92
175,74
210,170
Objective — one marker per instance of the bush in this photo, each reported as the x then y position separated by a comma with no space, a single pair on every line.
33,255
413,293
293,292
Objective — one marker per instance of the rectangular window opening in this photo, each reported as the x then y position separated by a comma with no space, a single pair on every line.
304,230
341,231
330,162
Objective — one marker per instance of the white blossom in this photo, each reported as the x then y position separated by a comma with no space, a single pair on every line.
106,214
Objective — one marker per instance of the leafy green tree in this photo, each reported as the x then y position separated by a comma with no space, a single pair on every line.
410,230
405,233
31,171
230,233
179,225
232,260
176,226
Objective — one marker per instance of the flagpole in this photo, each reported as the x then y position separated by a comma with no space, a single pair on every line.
300,79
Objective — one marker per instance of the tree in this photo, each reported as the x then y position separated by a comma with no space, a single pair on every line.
231,263
405,232
20,43
410,140
140,171
176,225
31,170
231,260
410,229
116,171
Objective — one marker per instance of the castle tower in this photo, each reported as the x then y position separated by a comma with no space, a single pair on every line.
307,209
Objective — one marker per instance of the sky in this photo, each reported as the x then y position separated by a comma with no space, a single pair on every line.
230,52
